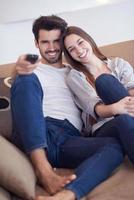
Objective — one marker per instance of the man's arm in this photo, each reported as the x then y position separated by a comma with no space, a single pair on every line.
23,66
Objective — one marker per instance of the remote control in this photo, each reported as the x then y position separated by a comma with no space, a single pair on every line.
32,58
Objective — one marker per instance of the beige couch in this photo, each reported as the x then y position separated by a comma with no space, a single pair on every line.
16,172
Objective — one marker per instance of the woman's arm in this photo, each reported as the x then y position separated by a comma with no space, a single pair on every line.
84,94
124,106
131,92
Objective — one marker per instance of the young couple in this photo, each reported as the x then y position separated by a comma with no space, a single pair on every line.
48,99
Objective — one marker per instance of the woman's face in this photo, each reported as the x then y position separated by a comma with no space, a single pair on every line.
79,49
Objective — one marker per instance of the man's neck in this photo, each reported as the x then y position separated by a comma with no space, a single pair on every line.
58,64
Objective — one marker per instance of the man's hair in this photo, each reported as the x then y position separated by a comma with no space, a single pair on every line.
48,23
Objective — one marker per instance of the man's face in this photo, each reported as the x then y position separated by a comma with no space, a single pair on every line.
49,46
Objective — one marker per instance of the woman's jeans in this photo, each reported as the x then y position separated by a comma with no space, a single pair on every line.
110,90
94,159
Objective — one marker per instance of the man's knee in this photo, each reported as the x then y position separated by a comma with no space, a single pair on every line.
26,83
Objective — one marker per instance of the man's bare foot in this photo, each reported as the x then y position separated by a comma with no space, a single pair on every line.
53,182
62,195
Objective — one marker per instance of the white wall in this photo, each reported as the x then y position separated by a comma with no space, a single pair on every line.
16,39
16,10
106,24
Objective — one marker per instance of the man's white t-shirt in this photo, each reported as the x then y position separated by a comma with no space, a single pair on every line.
58,101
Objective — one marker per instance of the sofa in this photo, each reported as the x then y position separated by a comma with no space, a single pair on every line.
17,177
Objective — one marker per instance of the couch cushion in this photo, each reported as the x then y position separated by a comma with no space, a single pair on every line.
16,172
4,195
121,49
118,187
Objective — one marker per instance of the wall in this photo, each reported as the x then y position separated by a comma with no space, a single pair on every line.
28,9
106,24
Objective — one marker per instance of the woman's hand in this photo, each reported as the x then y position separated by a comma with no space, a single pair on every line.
23,66
124,106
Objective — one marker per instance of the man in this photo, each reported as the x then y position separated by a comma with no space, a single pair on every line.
47,123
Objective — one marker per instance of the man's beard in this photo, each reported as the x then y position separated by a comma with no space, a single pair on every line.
52,60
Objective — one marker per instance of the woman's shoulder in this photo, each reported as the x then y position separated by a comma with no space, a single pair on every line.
75,73
119,66
117,61
76,77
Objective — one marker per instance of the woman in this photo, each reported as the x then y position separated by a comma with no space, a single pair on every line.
112,80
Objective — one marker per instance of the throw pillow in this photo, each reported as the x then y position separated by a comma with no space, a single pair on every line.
16,172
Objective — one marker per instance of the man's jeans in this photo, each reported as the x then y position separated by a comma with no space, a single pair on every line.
110,90
92,158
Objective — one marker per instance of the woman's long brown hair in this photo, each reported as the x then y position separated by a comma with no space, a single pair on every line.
75,64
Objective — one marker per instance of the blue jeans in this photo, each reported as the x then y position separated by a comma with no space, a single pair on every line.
110,90
92,158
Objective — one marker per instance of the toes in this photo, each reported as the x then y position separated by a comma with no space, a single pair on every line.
73,176
40,198
67,182
70,178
